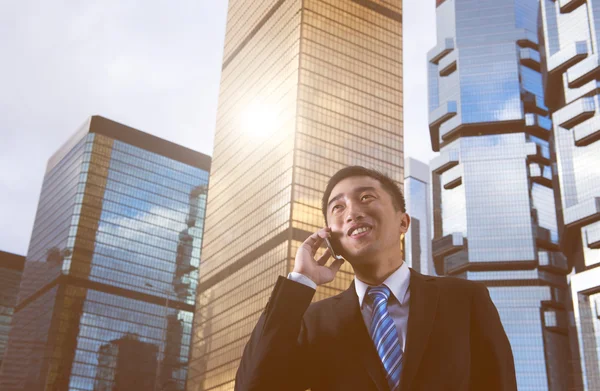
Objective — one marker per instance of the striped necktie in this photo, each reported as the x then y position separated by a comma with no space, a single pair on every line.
385,336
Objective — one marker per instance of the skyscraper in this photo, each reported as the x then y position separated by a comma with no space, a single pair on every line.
114,252
126,364
11,269
417,242
571,65
307,87
493,195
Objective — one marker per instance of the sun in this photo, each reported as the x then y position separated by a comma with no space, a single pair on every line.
259,120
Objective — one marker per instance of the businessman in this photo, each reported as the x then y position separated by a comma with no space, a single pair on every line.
392,329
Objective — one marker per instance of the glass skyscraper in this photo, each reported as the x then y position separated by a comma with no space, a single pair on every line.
417,242
124,364
572,80
11,269
493,191
107,294
307,87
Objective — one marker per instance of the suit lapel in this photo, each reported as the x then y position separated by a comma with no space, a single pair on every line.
356,336
423,305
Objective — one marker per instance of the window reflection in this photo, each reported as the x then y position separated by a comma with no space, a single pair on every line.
117,240
499,197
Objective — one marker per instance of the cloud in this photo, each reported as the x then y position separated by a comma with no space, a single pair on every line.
153,65
152,238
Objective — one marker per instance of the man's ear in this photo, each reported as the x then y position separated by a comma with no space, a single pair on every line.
405,223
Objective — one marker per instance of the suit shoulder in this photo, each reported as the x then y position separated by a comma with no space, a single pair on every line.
324,303
322,306
454,284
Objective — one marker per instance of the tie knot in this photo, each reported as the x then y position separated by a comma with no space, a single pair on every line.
379,292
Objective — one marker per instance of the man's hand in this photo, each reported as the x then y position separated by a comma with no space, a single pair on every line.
316,270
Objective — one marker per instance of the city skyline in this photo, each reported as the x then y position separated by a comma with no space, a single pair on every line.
115,251
308,87
494,209
509,147
570,48
151,68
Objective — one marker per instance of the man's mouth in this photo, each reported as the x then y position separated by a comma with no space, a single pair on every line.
359,230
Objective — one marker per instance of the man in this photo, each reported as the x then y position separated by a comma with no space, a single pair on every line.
392,329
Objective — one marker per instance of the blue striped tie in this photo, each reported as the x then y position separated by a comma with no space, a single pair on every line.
385,336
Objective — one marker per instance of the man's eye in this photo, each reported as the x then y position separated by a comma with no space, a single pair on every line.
336,207
366,196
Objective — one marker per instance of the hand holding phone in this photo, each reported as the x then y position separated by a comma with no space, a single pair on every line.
331,251
316,269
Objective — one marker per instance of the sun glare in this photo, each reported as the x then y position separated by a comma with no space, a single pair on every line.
259,119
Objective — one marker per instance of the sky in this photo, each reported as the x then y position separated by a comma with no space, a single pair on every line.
150,64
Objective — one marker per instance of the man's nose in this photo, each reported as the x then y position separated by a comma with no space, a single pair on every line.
353,213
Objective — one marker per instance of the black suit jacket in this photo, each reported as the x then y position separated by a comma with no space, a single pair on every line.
454,341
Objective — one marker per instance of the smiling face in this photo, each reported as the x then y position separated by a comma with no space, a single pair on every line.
365,224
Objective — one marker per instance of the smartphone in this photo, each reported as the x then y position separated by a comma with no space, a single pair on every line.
330,247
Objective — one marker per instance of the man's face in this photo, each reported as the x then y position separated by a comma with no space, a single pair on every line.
364,222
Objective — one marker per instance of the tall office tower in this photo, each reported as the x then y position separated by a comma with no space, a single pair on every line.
11,269
112,267
570,41
307,87
493,199
126,363
417,242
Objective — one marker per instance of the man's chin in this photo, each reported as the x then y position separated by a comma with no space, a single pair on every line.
359,257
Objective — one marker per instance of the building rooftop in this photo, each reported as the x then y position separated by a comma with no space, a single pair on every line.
414,168
100,125
12,261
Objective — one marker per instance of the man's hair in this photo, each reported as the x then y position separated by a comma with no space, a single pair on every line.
386,183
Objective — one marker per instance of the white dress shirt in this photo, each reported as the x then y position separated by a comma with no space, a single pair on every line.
398,303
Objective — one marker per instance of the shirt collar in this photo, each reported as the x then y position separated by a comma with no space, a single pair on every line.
398,283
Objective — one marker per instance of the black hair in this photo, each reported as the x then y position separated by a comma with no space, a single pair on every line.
387,184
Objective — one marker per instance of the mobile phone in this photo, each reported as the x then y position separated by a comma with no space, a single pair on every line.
330,247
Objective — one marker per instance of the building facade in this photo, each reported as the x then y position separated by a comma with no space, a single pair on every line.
417,193
11,269
126,363
493,192
307,87
569,41
114,252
